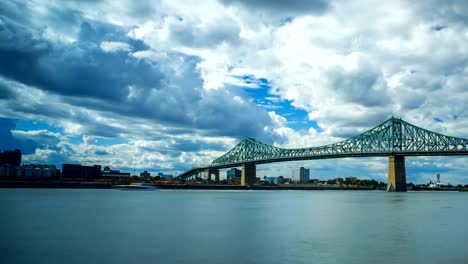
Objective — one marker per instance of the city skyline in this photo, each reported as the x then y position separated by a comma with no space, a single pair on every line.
162,87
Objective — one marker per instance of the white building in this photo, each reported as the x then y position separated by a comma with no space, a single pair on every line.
301,175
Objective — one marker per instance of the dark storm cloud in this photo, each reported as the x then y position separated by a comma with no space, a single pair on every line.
115,82
79,69
97,32
64,19
284,7
5,92
14,9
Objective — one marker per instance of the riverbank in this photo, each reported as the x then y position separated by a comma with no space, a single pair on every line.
108,185
56,184
182,186
257,187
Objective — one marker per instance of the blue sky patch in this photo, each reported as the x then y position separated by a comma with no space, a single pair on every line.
297,119
110,141
28,125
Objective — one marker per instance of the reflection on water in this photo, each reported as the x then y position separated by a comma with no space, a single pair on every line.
165,226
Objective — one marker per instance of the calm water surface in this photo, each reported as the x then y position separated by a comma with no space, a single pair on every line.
179,226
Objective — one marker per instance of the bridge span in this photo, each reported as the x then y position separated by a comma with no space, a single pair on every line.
393,138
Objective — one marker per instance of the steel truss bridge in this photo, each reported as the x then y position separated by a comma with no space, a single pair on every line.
394,138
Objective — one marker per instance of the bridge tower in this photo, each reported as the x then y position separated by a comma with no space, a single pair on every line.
249,174
209,172
396,174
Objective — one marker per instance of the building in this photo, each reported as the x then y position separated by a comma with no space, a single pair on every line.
167,177
79,171
7,170
115,174
282,179
145,175
272,180
10,157
301,175
234,175
37,171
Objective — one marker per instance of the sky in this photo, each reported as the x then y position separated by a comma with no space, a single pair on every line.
165,86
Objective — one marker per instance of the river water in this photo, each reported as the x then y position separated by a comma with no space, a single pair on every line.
182,226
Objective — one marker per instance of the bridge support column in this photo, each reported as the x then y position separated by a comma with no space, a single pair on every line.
396,174
249,174
212,171
208,175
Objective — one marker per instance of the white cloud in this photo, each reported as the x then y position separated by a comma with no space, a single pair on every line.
114,46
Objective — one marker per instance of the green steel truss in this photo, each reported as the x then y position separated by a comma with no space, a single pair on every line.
393,137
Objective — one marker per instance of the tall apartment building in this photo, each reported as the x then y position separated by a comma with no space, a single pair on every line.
302,175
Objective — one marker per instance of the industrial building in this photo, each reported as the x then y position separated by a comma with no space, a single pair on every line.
37,171
79,171
7,170
29,171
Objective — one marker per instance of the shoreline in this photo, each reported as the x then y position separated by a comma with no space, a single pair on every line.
56,184
110,185
257,187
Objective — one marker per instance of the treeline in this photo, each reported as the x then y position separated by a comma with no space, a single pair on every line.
352,181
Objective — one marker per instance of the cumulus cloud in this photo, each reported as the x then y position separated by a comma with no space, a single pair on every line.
183,32
113,46
85,73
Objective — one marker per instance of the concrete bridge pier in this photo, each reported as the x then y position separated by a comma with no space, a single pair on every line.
396,174
249,174
209,172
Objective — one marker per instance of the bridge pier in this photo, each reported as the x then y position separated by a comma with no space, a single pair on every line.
212,171
396,174
249,174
